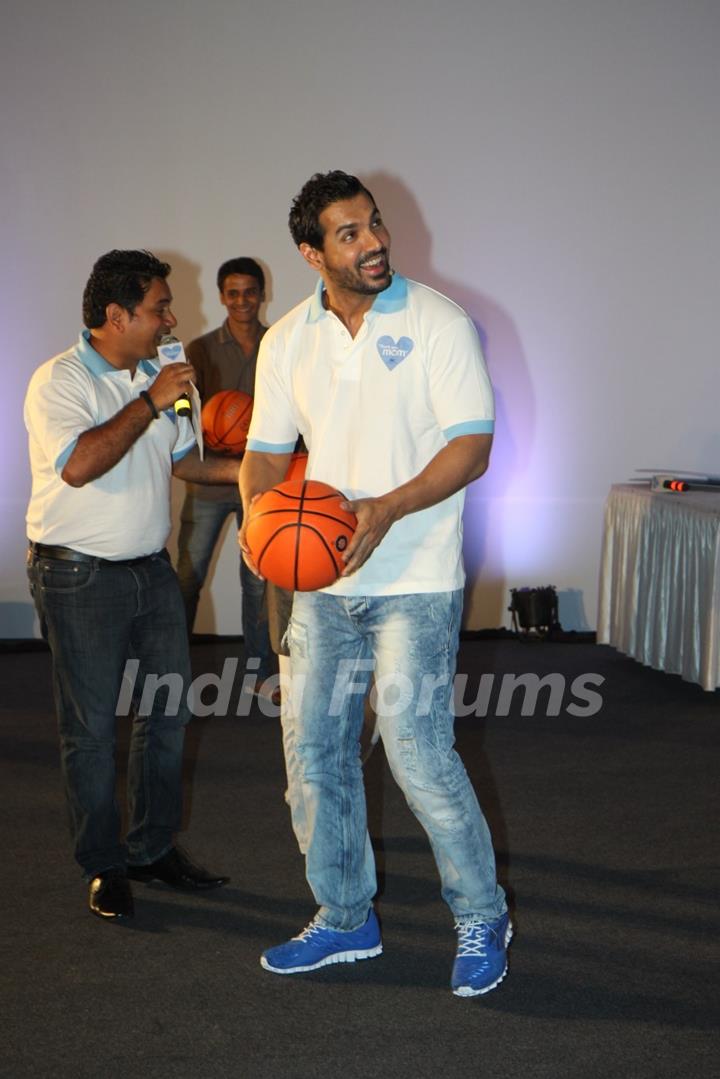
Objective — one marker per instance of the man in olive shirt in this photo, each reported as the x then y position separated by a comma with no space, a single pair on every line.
225,359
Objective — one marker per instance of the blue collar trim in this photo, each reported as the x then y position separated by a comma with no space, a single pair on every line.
98,365
91,359
316,309
394,298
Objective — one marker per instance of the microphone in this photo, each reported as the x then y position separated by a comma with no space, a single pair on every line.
170,350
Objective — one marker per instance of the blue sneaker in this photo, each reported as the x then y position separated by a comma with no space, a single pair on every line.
481,959
317,946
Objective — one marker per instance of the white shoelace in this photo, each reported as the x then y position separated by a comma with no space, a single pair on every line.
472,938
308,931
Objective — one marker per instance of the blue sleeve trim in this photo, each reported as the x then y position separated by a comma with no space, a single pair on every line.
63,458
471,427
179,454
270,447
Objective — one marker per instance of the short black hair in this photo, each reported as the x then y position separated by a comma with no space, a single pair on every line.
121,277
319,192
244,266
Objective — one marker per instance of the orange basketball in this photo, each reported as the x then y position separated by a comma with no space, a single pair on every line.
226,421
297,466
297,534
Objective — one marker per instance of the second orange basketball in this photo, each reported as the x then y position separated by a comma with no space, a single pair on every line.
226,421
297,534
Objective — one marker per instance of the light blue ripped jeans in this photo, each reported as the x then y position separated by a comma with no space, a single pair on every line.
411,643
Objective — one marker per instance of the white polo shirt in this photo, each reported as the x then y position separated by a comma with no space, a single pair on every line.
126,512
374,410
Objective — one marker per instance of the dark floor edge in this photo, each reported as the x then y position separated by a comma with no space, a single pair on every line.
11,646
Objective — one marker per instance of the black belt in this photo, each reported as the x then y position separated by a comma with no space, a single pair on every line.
67,554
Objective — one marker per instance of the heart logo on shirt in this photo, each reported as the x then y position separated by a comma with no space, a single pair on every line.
172,351
394,352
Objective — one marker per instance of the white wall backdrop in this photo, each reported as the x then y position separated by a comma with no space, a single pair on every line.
552,165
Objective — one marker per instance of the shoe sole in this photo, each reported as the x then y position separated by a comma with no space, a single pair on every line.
468,991
336,957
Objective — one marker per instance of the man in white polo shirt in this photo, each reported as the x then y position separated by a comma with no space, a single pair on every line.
385,380
104,443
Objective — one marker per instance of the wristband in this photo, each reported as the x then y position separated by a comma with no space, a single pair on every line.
150,403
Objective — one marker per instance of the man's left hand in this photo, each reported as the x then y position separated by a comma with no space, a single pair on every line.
375,516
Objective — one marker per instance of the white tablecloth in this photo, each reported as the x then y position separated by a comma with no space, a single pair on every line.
660,580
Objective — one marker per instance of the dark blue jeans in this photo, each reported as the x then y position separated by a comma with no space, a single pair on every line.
95,615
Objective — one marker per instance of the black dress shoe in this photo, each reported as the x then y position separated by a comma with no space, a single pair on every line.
176,869
110,896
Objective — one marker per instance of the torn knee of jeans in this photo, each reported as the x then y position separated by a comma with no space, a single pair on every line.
296,639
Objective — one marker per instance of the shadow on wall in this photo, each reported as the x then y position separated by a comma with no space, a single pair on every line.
486,592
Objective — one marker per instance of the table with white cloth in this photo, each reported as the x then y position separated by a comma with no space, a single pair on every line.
660,580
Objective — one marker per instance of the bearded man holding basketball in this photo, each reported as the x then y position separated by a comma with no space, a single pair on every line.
385,380
104,443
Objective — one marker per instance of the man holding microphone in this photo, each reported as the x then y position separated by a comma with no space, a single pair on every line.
104,443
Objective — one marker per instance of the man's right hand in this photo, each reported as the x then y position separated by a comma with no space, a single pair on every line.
172,382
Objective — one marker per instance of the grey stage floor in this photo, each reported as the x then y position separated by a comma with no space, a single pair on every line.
605,828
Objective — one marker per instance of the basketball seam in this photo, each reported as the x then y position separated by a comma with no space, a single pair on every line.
216,441
298,533
292,495
316,513
234,425
298,526
300,499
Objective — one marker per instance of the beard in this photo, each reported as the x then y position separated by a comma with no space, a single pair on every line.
353,280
